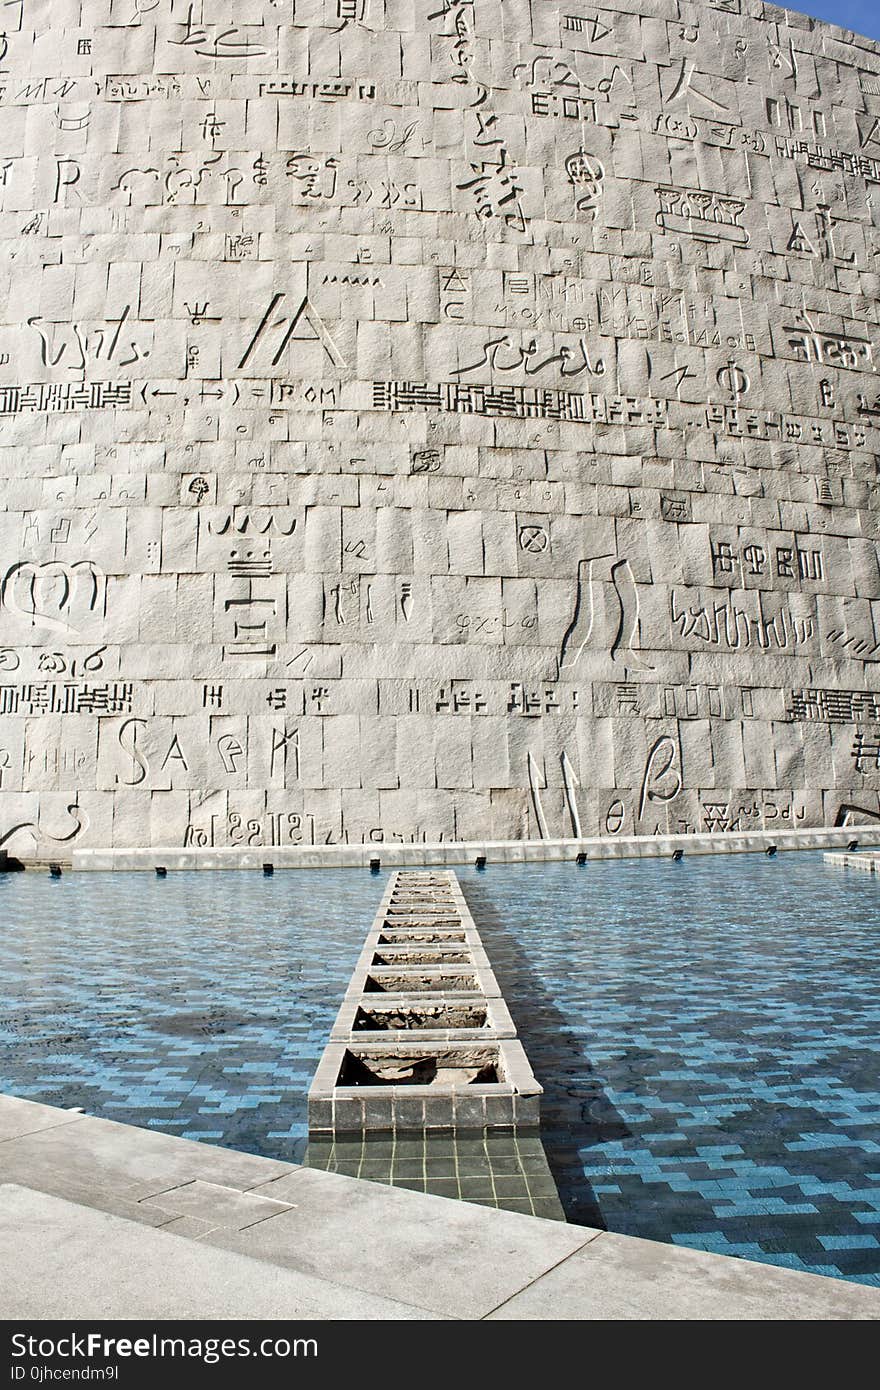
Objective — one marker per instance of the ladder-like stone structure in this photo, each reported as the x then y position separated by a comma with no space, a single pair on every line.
423,1040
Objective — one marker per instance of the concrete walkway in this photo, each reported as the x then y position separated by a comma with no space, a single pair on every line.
448,853
105,1220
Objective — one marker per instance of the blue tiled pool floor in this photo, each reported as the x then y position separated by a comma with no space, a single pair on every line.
707,1036
197,1004
706,1032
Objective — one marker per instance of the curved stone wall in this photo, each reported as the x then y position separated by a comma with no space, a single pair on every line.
435,419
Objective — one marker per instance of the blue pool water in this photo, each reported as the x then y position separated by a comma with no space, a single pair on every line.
197,1004
706,1032
707,1036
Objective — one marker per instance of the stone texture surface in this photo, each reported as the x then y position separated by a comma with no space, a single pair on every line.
80,1217
435,420
620,1277
75,1262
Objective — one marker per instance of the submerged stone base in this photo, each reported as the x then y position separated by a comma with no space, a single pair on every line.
867,861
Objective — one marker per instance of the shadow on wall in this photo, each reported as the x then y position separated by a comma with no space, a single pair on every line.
576,1113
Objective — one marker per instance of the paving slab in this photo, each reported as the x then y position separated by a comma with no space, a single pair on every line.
222,1206
73,1262
131,1162
621,1277
19,1117
452,1257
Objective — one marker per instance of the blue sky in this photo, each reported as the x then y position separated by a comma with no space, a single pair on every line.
861,15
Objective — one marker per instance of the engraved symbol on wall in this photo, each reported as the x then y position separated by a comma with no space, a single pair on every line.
865,751
627,597
317,178
586,174
589,25
142,187
580,629
828,348
284,754
351,12
533,539
676,508
527,358
67,173
823,241
847,812
44,591
391,139
88,348
278,519
208,43
128,742
75,811
72,122
615,817
454,291
570,783
662,779
700,214
734,380
426,461
405,599
799,241
128,737
681,81
279,333
494,188
624,609
230,750
199,487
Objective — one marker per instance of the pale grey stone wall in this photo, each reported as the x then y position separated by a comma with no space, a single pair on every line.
431,419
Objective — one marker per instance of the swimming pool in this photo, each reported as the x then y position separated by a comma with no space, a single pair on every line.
705,1031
